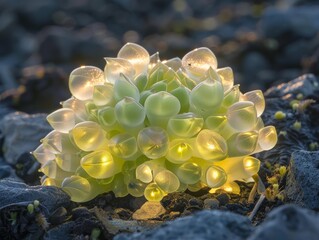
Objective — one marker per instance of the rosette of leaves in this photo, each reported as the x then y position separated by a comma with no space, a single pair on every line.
149,127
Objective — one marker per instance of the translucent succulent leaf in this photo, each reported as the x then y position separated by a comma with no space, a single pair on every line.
88,136
52,170
267,138
227,76
136,188
106,117
182,95
136,55
68,162
102,94
174,63
62,120
43,154
50,182
115,67
153,142
215,177
256,97
153,192
77,187
211,146
207,95
78,108
129,113
99,164
160,107
242,116
251,165
82,81
198,61
154,59
123,87
167,181
119,186
189,173
157,74
141,82
144,173
243,143
185,80
231,187
215,123
159,86
123,145
179,151
58,142
231,96
195,187
185,125
144,95
212,74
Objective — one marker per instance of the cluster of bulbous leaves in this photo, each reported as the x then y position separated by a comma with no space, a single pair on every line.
149,127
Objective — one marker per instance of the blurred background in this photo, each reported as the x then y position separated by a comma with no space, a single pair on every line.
42,41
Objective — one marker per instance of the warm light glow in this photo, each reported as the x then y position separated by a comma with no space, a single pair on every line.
149,127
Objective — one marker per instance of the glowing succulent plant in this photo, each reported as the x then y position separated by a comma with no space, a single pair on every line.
151,127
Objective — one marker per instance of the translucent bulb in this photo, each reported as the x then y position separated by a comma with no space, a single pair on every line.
123,145
256,97
267,138
77,187
182,94
136,55
153,192
215,177
211,146
241,144
160,107
189,173
99,164
167,181
215,123
136,188
129,113
251,165
115,67
227,76
52,170
68,161
242,116
62,120
119,186
174,63
231,96
198,61
185,125
78,108
123,87
88,136
153,142
207,95
179,151
154,59
106,117
50,182
102,94
43,154
144,173
82,81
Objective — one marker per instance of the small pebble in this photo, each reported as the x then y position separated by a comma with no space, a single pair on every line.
149,210
211,203
195,202
223,198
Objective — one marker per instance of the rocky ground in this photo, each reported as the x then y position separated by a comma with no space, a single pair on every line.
266,44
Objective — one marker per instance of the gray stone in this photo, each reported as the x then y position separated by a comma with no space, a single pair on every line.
306,84
22,133
288,222
6,171
62,231
15,192
202,225
149,210
303,179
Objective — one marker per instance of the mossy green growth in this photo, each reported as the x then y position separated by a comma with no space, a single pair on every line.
149,127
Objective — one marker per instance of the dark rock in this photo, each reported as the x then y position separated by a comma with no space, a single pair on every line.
202,225
223,198
306,84
15,192
22,133
288,222
6,171
253,63
211,203
302,185
62,231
